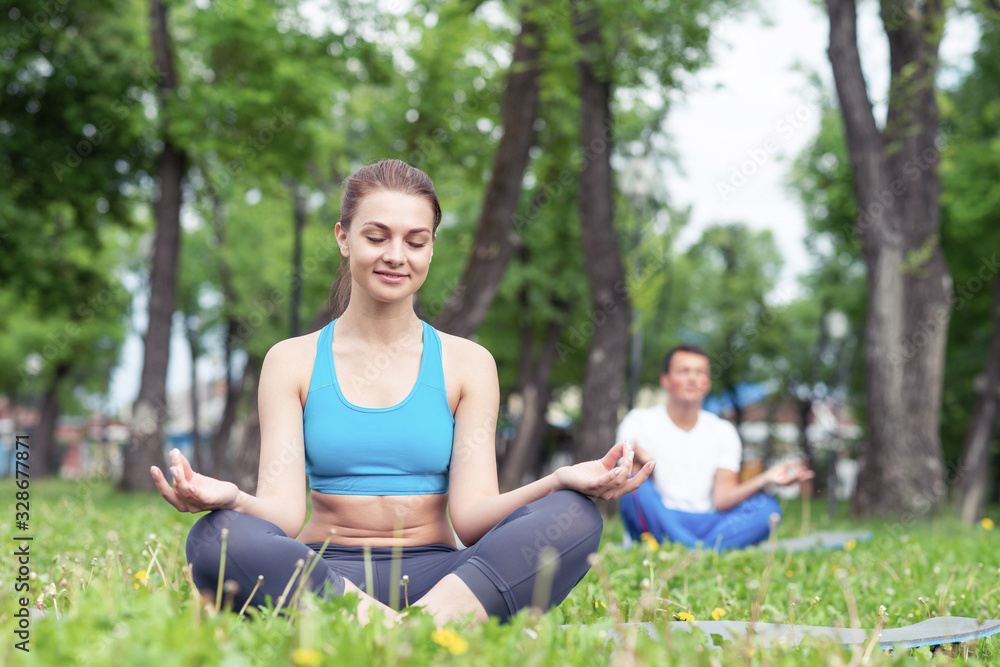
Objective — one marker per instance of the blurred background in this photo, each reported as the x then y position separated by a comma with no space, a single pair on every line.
809,192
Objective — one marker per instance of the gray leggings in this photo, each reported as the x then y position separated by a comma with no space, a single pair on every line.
501,569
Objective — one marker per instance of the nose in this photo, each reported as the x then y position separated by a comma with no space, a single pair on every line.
393,252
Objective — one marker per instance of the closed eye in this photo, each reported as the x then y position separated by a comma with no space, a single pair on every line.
374,239
417,245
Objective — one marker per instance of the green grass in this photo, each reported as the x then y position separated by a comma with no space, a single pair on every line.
90,543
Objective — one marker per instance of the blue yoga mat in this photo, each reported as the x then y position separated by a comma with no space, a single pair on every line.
931,632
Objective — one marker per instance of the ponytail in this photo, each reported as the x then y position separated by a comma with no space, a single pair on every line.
340,293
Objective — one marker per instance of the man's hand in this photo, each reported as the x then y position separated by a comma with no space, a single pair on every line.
787,473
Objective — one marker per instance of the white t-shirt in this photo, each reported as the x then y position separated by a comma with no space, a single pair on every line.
686,461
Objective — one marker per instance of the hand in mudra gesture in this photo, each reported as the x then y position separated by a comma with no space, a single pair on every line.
789,472
601,478
191,491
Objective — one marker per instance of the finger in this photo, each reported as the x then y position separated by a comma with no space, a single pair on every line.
166,490
178,459
636,481
184,488
615,453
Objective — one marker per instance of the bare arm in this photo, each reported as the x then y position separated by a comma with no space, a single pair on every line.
281,487
727,491
475,503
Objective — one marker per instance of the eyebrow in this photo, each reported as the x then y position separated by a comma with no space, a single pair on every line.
383,226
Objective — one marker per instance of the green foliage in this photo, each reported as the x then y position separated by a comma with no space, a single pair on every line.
970,174
70,122
108,574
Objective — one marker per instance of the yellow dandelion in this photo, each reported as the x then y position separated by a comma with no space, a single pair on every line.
598,604
309,657
851,544
450,640
987,523
683,616
718,613
141,579
853,571
916,612
650,541
789,573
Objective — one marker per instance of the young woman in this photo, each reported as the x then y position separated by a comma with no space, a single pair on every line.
394,424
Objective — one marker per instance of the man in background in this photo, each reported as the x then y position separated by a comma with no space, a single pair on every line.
695,494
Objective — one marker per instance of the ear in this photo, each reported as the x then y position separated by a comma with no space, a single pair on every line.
341,234
664,380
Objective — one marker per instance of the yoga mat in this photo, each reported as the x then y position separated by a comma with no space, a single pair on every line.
931,632
824,539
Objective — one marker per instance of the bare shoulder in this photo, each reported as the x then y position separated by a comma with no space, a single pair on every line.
464,353
291,361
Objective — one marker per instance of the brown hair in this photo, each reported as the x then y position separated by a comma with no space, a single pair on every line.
388,176
684,347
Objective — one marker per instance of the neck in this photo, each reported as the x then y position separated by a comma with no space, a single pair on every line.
378,323
684,415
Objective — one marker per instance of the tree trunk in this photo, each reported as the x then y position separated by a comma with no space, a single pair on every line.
150,412
196,457
897,187
524,453
247,460
604,377
234,388
497,233
299,226
234,393
44,450
974,471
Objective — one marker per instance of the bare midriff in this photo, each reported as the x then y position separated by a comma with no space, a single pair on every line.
378,521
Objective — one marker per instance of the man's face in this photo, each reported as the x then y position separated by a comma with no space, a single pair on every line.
688,378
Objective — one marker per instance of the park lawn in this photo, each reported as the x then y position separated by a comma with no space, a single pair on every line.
108,601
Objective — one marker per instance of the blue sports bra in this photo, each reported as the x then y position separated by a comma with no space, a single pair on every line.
404,449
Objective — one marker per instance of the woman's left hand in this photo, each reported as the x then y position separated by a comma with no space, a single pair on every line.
601,479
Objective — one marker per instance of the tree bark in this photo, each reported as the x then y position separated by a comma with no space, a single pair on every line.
247,460
300,217
44,450
974,470
897,187
604,377
196,456
524,453
150,412
497,233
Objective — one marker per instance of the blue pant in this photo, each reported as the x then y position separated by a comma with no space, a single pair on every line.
748,523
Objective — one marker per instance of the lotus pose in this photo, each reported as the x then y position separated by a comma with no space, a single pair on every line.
695,494
393,425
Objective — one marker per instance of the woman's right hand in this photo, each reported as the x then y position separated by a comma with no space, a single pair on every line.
191,491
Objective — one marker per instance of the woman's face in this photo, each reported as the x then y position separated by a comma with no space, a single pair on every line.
390,243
